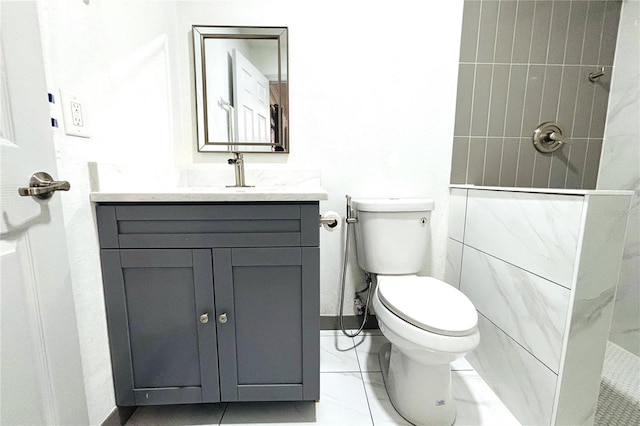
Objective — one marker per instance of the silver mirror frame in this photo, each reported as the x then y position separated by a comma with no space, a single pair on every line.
279,34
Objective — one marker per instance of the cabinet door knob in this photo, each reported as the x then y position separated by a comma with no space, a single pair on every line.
204,318
222,318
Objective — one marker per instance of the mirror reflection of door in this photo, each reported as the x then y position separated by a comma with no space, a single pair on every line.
241,78
219,89
251,101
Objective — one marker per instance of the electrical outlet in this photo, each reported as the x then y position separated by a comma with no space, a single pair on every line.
74,112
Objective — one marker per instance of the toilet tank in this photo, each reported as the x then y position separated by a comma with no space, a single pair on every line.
392,234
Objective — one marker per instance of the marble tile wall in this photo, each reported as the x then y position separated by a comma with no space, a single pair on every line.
457,212
524,384
455,234
542,278
537,233
530,309
454,263
620,169
522,63
597,270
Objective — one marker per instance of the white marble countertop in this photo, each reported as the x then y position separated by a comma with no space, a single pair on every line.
544,190
121,183
214,194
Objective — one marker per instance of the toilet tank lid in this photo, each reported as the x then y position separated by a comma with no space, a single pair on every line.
393,204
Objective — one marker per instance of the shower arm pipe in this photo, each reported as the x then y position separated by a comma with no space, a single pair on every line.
595,76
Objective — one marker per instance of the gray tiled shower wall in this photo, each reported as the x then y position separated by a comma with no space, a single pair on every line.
523,63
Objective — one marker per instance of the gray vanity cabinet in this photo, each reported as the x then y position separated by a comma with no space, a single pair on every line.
211,302
159,353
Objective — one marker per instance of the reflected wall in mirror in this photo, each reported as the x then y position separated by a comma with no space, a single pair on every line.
241,88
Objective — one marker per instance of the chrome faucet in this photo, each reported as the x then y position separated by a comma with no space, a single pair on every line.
238,162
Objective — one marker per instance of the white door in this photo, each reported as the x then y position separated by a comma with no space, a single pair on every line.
41,370
251,101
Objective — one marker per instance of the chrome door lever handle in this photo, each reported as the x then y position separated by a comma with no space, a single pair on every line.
42,186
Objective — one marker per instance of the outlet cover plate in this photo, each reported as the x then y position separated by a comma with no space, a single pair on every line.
75,114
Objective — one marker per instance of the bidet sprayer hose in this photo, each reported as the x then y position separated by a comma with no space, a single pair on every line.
349,221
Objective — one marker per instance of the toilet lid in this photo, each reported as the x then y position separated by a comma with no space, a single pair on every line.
429,304
380,205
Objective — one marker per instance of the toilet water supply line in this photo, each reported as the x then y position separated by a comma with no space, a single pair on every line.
350,219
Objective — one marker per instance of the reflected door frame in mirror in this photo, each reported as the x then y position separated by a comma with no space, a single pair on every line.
241,88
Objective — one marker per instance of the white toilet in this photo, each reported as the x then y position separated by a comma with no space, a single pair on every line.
428,322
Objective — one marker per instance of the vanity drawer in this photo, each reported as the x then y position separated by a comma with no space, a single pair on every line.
208,225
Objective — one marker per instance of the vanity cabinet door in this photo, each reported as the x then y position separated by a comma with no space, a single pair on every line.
267,311
161,321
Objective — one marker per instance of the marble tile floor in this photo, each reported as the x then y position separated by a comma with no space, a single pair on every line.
351,393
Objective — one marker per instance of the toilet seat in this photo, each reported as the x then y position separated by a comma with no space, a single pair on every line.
429,304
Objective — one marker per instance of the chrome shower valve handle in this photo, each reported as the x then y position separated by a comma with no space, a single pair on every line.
548,137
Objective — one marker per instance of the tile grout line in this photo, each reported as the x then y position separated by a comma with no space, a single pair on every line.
566,34
604,18
544,85
493,67
563,65
526,63
366,394
226,405
580,67
566,172
504,123
473,92
522,347
519,267
584,166
526,92
593,99
564,71
584,32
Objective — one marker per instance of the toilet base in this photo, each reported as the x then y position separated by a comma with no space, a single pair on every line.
419,392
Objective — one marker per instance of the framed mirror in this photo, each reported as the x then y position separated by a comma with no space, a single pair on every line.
241,88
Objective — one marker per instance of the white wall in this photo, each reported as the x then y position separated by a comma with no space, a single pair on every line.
620,169
117,58
372,95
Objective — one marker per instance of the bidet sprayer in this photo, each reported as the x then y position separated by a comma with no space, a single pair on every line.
350,216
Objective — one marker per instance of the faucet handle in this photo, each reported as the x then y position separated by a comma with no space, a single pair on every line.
237,158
